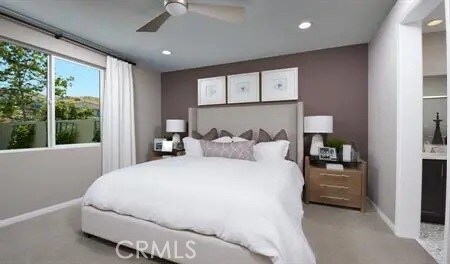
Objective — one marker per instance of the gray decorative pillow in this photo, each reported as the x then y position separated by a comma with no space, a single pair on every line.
265,137
282,135
248,135
211,135
224,133
236,150
196,135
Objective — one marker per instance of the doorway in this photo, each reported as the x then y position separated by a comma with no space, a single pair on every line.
434,155
410,124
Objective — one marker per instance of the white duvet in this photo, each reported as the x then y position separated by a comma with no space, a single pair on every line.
253,204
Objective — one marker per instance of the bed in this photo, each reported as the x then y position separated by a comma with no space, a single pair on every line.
182,202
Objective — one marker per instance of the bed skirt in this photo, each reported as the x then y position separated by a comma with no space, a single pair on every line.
183,247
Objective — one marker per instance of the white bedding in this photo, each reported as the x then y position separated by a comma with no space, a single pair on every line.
253,204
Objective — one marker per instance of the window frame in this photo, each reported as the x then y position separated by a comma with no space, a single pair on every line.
51,100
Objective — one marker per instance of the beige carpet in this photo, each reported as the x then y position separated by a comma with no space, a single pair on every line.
338,236
341,236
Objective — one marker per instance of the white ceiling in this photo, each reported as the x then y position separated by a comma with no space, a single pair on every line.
438,13
270,28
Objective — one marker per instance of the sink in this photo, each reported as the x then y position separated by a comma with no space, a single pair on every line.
434,156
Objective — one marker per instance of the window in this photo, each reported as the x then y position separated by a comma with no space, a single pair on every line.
77,103
28,119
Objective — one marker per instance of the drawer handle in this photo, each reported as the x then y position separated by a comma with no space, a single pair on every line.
335,175
335,198
334,186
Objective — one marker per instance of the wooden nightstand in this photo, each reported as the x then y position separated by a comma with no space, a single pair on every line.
156,155
342,188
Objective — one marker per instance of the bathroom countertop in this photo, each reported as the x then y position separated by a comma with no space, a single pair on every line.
434,156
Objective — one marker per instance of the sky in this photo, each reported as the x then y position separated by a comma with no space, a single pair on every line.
87,79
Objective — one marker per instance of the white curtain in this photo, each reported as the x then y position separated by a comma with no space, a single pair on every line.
118,138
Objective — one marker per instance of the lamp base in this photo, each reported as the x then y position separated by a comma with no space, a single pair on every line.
176,139
316,144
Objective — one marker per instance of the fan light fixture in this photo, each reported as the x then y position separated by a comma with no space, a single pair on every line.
166,52
435,22
305,25
226,13
176,7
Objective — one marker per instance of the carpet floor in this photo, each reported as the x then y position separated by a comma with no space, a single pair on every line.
337,236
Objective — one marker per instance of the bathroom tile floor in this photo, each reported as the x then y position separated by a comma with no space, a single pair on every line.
432,239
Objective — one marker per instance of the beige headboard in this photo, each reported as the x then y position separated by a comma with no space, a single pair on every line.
237,119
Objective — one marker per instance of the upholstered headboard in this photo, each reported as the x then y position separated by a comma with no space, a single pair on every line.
237,119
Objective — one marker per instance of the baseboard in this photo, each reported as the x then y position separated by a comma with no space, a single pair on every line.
383,216
39,212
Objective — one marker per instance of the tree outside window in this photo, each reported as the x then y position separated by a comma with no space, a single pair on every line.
23,101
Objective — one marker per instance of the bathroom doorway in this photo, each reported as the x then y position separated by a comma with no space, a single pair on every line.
434,156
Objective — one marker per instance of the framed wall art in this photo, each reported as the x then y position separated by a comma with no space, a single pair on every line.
243,88
211,91
280,85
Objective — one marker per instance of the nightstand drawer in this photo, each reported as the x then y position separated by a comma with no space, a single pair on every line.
335,189
347,178
334,198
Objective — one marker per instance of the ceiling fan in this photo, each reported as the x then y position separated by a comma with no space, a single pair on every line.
234,14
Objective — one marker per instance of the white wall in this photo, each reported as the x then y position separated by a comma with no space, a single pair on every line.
395,115
383,92
33,179
434,50
31,37
409,131
147,100
447,205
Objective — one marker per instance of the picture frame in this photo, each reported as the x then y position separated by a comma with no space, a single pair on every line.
167,146
328,154
243,88
211,91
158,144
279,85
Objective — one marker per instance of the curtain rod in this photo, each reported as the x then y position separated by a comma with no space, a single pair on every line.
58,33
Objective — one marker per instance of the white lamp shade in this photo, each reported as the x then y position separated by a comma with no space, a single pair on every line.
318,124
175,125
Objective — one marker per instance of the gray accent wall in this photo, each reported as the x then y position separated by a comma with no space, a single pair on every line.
331,82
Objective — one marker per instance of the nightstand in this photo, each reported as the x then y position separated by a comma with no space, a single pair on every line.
345,188
157,155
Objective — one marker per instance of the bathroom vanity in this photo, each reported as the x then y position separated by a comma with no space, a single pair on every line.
434,165
434,179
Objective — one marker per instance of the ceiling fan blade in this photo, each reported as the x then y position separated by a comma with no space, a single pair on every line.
233,14
155,24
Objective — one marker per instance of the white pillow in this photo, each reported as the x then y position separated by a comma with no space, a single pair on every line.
192,147
271,151
223,140
239,139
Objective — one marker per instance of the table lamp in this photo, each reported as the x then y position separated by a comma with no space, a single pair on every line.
175,126
317,125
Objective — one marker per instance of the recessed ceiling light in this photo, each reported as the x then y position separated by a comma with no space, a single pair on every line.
166,52
305,25
435,22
